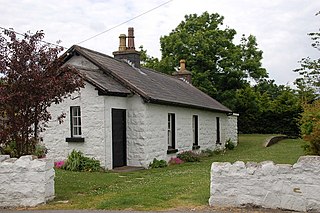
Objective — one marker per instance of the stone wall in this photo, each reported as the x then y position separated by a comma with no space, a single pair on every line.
25,182
292,187
232,128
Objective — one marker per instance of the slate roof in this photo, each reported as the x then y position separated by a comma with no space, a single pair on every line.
118,77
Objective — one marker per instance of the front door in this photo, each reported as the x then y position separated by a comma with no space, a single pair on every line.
119,139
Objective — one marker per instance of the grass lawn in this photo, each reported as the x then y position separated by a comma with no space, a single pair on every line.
185,185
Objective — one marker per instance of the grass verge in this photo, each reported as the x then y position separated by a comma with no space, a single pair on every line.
178,186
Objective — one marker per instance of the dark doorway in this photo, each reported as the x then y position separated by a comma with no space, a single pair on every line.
119,139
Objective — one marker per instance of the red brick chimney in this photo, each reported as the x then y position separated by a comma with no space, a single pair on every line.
128,52
183,73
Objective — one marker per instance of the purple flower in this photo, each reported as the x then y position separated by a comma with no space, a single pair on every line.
58,164
174,161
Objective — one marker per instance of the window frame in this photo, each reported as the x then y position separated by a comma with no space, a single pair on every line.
218,131
75,125
195,132
171,133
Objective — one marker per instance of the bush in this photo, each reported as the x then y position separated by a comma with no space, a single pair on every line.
175,161
189,156
78,162
229,144
207,153
40,151
310,127
158,164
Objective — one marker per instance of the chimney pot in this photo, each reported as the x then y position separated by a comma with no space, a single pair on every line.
183,73
131,39
122,45
182,65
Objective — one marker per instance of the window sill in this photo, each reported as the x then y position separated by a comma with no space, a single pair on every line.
195,147
171,151
78,140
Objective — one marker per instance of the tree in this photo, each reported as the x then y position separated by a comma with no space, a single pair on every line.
219,66
309,82
310,127
31,79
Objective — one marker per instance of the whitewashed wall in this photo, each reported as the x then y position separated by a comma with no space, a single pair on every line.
156,130
232,128
92,126
293,187
25,182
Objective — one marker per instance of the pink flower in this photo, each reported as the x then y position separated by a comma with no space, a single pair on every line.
58,164
174,161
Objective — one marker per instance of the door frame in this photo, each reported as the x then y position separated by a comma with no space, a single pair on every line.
124,136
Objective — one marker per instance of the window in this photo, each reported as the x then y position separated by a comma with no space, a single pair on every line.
171,134
75,121
75,125
218,130
195,132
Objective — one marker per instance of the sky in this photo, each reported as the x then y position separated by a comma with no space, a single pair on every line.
280,26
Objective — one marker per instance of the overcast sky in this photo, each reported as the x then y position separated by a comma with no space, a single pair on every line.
281,26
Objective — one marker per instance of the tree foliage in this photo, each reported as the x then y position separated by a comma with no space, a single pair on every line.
310,127
224,70
31,79
309,81
219,66
268,108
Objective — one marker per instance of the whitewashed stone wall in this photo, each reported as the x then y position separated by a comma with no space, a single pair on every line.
157,124
293,187
232,128
25,182
92,126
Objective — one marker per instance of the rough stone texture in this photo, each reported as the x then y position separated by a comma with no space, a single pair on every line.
293,187
25,182
232,128
146,127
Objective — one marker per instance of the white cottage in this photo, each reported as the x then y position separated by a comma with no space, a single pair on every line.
127,115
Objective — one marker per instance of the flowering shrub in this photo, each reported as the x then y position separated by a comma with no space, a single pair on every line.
59,164
189,156
175,161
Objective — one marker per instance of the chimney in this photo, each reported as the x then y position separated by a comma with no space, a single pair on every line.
129,52
130,39
183,73
122,43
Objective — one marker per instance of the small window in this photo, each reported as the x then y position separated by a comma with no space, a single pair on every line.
218,130
195,130
75,121
171,134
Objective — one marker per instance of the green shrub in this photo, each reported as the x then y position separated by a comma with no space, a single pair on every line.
10,149
189,156
310,127
78,162
229,144
158,164
40,151
208,153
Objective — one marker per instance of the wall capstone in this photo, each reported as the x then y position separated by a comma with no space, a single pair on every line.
25,181
292,187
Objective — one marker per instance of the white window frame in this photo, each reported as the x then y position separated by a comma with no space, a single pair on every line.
75,121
